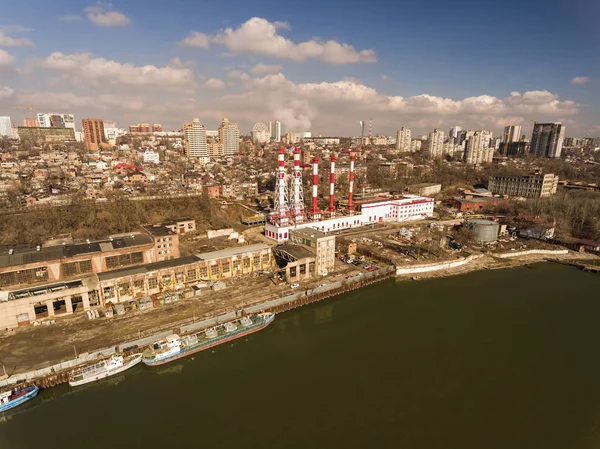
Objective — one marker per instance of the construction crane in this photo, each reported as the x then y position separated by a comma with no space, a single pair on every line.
30,108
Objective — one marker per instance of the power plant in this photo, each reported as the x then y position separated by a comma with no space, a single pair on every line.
289,209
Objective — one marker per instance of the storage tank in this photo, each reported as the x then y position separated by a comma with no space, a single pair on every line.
484,231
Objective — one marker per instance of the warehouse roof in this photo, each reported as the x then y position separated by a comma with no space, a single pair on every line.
148,268
235,251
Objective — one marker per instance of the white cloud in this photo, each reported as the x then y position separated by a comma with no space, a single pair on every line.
196,39
214,83
384,77
580,80
103,15
259,36
6,92
6,59
84,67
8,41
237,75
261,69
71,18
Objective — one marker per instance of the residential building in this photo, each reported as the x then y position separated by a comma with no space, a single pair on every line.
477,148
93,131
30,123
195,140
454,132
39,136
229,136
275,131
415,145
56,120
215,150
435,144
547,139
111,132
512,133
157,128
536,185
403,141
290,138
150,156
140,128
6,127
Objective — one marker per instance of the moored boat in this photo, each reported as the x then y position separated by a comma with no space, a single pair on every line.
10,399
175,347
101,370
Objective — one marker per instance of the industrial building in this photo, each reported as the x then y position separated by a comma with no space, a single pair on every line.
40,136
43,298
536,185
425,189
289,212
484,231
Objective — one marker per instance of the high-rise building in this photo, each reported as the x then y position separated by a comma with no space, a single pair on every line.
195,140
454,132
547,139
536,185
435,144
157,128
6,127
93,131
275,130
56,120
512,133
403,142
477,148
229,136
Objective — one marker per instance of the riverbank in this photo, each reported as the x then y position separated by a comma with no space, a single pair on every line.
497,262
36,351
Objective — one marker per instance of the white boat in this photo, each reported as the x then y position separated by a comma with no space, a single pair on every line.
103,369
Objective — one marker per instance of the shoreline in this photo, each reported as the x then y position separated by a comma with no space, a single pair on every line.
477,263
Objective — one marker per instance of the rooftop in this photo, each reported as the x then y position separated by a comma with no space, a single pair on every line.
309,233
27,254
158,230
296,251
235,251
148,268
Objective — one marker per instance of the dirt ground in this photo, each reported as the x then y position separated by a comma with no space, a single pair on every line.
28,348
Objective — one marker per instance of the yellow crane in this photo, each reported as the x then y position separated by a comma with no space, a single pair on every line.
29,107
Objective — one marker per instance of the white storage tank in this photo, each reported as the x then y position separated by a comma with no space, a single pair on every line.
485,231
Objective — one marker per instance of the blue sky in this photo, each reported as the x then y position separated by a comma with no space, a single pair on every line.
421,64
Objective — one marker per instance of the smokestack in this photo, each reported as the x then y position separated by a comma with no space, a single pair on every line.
314,212
297,196
351,185
280,215
331,208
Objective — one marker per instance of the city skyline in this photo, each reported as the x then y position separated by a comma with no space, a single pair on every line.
255,62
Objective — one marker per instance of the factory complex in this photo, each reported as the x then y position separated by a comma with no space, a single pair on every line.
289,212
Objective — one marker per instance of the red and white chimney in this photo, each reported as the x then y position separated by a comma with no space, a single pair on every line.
281,210
331,208
351,186
315,212
296,194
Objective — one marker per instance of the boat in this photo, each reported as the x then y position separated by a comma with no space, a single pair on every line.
175,347
101,370
12,398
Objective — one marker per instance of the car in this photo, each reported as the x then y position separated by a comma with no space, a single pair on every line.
295,285
371,269
322,285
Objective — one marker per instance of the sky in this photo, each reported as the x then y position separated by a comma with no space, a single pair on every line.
319,66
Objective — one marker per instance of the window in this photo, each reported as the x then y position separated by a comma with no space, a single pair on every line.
30,276
124,260
292,272
109,292
203,272
226,267
236,265
214,270
191,275
75,268
123,289
303,269
179,276
256,261
166,279
246,262
265,259
138,285
152,283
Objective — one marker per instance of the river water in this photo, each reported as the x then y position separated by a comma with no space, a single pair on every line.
494,359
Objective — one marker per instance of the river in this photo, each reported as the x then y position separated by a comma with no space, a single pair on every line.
492,359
